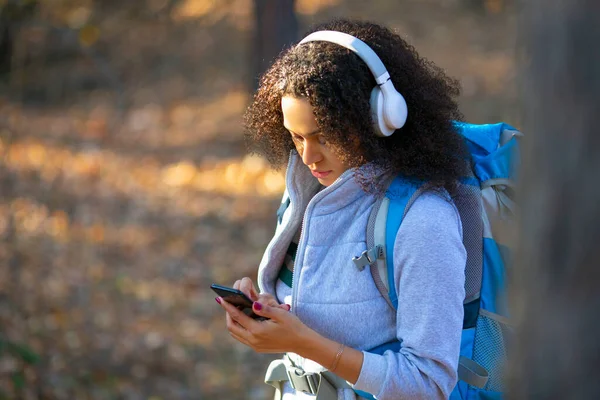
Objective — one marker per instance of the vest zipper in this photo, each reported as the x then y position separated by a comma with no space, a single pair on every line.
300,250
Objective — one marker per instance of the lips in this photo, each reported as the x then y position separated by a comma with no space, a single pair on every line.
320,174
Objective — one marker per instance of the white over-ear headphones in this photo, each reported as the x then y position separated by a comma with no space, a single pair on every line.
388,107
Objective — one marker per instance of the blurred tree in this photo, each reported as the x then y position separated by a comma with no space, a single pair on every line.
12,13
275,27
557,274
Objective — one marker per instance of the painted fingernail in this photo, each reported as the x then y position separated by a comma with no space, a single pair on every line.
218,300
257,306
288,307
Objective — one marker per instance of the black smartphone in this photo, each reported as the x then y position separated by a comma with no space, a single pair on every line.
237,298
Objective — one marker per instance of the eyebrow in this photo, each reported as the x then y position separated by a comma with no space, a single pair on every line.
305,135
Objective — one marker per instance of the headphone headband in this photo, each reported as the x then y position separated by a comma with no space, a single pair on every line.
357,46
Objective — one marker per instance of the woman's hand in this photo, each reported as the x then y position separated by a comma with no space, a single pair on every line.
284,332
281,333
247,286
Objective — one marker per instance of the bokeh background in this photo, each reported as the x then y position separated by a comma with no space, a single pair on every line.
125,188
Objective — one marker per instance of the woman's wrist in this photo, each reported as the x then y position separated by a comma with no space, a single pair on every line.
346,362
310,344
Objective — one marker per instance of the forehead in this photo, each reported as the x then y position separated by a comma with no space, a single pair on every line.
298,115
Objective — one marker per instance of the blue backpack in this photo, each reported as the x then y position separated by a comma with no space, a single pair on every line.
485,203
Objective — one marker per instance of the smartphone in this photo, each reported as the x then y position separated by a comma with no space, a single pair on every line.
238,299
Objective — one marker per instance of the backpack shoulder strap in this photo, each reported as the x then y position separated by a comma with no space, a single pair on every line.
385,220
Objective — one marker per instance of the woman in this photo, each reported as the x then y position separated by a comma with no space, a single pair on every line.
313,109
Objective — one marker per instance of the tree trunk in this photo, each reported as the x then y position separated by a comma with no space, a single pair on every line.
276,27
557,273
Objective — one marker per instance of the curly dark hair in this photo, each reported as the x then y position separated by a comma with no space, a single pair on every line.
337,83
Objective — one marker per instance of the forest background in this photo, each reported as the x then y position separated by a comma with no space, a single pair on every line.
125,188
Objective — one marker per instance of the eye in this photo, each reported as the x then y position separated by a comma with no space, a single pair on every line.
322,140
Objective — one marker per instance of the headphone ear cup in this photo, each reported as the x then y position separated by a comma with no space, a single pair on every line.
394,109
377,104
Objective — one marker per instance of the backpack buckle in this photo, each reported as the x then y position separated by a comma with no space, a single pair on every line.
368,257
304,382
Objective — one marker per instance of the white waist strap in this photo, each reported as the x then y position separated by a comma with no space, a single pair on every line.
324,384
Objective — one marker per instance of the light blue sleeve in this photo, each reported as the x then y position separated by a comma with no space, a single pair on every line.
429,263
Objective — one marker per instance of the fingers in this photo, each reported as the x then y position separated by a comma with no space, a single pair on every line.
265,298
237,316
237,331
284,307
262,336
247,286
275,313
229,320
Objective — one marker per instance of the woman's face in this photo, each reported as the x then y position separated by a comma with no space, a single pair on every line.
299,120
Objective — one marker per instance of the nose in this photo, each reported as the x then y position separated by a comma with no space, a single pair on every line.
311,154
